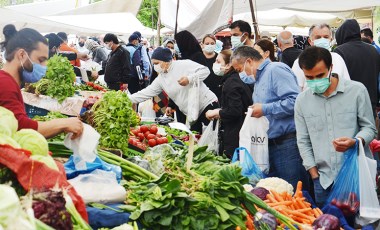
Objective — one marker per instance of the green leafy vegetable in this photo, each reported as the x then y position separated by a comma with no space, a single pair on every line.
33,141
8,122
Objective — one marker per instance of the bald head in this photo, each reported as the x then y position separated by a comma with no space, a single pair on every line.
285,39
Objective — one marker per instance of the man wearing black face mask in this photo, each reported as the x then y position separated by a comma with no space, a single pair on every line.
80,47
26,62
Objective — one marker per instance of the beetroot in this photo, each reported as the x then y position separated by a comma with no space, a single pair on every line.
260,192
327,222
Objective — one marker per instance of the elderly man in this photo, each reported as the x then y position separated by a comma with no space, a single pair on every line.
274,97
328,116
321,36
285,42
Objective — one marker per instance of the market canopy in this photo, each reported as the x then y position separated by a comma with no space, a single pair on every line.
206,16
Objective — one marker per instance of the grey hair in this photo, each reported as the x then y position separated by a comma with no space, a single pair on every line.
288,41
320,26
242,53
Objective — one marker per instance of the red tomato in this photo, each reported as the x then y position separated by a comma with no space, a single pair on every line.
160,141
158,135
152,142
135,132
164,139
141,136
144,128
130,141
151,136
153,129
140,146
146,134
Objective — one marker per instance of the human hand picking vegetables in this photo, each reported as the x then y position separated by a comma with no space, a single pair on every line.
213,114
169,111
257,110
341,144
184,81
72,125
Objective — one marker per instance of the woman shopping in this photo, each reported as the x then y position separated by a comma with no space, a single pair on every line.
235,99
176,79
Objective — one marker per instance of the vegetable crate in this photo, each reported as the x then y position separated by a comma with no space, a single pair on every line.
32,111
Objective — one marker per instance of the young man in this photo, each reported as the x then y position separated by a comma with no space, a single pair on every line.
26,62
329,116
274,97
240,34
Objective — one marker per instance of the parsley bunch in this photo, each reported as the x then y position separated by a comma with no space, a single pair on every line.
61,78
113,116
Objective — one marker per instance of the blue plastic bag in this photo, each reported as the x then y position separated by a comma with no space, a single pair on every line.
248,165
345,191
72,172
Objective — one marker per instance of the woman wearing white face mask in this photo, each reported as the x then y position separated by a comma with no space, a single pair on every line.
235,99
175,78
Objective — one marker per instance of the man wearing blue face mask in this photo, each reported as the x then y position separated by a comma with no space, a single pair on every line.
328,116
320,35
241,36
274,97
26,63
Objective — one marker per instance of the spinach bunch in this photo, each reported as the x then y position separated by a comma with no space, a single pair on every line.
113,117
207,197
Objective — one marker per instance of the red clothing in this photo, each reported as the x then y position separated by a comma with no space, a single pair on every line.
11,98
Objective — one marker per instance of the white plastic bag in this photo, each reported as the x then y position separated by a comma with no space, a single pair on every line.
253,136
84,147
210,137
369,211
146,109
193,102
99,186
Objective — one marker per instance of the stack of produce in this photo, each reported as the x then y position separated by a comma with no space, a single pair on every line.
112,118
51,116
146,135
58,82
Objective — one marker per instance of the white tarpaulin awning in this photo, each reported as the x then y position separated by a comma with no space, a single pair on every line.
21,20
118,23
213,15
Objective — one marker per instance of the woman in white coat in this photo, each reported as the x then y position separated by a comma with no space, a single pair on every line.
176,79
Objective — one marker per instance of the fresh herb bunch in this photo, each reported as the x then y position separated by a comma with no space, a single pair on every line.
61,78
113,117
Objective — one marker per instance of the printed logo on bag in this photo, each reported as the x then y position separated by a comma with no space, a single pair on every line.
255,140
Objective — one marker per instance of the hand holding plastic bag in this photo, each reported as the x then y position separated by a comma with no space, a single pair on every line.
345,191
210,137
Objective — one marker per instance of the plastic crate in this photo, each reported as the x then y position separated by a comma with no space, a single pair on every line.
32,111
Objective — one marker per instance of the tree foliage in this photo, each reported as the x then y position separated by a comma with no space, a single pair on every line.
148,13
13,2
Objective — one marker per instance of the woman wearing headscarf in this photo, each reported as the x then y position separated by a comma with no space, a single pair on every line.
98,53
175,78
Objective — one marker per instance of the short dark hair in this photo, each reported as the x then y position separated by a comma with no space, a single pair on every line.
111,37
367,32
312,55
62,35
26,39
243,26
267,45
53,40
242,53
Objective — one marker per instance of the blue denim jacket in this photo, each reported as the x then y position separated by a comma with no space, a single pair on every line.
276,89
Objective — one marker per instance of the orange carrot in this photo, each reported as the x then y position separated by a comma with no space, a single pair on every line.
296,205
316,213
299,214
271,198
238,228
299,188
319,211
277,196
249,223
304,210
286,203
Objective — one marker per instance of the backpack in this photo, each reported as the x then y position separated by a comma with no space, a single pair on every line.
137,64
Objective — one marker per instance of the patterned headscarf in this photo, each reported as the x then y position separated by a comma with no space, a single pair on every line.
91,45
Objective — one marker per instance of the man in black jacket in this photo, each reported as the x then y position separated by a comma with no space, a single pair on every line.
362,59
117,70
286,44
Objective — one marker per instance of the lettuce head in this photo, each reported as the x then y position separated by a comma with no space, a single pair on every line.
4,139
33,141
8,122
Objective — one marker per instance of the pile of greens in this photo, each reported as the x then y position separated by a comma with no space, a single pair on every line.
59,80
112,118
